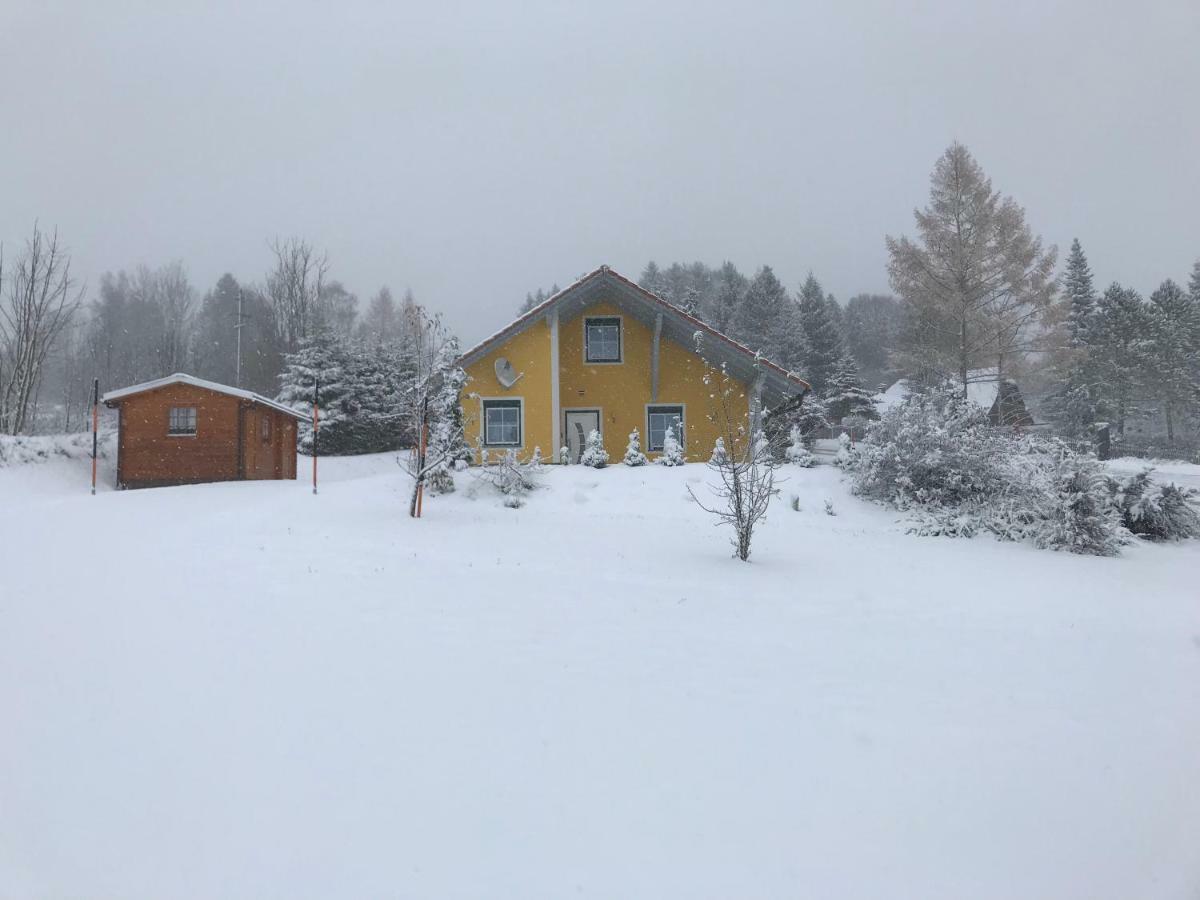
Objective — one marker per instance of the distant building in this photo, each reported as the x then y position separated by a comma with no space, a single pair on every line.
1001,397
184,430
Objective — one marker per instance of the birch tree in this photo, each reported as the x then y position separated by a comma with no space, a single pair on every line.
38,304
295,287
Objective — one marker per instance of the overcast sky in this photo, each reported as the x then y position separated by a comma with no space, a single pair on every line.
474,152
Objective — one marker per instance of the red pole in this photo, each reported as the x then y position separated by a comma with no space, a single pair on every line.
316,429
95,428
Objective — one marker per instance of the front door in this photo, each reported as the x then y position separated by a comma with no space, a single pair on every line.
580,423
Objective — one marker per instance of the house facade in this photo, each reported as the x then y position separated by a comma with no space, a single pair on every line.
605,354
185,430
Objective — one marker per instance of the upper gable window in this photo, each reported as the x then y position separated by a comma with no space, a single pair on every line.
602,339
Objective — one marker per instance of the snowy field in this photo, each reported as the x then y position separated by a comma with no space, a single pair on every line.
245,691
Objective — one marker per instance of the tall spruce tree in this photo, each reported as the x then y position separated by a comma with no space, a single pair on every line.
761,318
1121,349
1080,294
822,349
1175,372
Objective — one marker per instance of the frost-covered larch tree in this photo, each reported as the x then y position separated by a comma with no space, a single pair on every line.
976,281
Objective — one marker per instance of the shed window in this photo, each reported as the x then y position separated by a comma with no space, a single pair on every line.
182,421
502,423
265,429
658,420
602,340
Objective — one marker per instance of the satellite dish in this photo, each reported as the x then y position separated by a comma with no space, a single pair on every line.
505,373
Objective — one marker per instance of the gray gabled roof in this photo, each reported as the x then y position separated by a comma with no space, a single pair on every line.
605,284
183,378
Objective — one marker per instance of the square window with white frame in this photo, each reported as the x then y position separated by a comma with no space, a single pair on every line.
182,421
502,423
658,420
602,339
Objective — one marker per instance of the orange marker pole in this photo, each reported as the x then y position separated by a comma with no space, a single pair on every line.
95,428
316,429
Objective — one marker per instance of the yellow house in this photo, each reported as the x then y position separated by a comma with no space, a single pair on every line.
605,354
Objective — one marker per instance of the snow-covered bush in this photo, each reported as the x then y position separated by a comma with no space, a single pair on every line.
564,456
1079,516
512,478
672,452
1162,512
719,454
797,453
844,451
594,454
937,457
633,451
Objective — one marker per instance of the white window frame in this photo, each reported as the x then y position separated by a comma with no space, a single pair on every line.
682,407
193,416
620,320
507,403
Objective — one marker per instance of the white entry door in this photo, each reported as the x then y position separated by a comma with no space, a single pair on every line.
580,423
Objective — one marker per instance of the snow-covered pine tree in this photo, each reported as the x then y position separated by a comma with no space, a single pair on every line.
761,319
321,358
845,395
1080,294
672,451
447,443
730,288
1121,345
594,454
719,453
797,453
1175,373
1072,405
633,451
823,348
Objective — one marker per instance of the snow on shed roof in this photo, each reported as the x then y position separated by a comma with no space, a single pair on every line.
983,386
183,378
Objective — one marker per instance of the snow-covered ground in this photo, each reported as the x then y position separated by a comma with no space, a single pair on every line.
243,690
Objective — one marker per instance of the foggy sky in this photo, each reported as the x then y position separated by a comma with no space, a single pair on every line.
474,152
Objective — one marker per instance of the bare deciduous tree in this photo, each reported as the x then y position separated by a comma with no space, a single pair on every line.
295,287
39,303
745,467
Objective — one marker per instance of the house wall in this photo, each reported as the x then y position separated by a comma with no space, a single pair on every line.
620,390
147,455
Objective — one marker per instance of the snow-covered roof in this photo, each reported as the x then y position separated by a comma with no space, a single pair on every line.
983,386
183,378
686,323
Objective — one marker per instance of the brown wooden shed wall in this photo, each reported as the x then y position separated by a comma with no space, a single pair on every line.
228,430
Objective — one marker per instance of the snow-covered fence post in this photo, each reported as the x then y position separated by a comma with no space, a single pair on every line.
95,428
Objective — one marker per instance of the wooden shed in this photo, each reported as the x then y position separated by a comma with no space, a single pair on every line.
184,430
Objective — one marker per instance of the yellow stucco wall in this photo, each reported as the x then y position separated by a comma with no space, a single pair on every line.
620,390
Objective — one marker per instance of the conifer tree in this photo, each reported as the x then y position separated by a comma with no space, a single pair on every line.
822,349
761,317
1080,294
672,451
594,454
633,450
1121,347
845,395
1175,372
